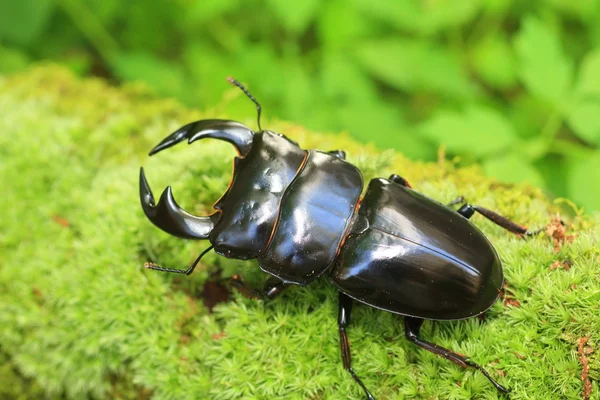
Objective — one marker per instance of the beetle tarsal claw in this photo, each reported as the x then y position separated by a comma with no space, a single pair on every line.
168,216
233,132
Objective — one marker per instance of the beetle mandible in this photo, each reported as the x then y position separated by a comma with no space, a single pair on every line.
300,214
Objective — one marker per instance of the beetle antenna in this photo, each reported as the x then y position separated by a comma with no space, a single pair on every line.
234,82
151,265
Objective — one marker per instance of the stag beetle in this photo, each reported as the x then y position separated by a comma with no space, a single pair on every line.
300,214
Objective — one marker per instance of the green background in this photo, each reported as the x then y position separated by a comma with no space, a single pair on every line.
512,85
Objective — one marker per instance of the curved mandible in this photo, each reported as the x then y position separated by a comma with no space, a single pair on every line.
231,131
168,216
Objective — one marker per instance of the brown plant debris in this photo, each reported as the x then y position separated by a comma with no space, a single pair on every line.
565,264
557,230
61,221
585,351
214,293
512,302
187,316
508,296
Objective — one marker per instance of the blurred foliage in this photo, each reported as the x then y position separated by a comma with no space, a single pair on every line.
513,85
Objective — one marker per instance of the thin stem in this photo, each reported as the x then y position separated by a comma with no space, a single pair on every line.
569,148
548,134
91,28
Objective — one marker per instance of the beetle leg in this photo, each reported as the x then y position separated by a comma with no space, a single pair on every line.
343,320
503,221
458,200
338,153
273,287
399,180
467,210
412,326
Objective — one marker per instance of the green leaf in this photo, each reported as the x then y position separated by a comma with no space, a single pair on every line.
527,115
480,131
201,12
257,62
382,125
497,7
583,182
583,115
495,62
340,24
555,170
588,82
164,77
295,15
298,90
544,68
579,8
447,14
415,65
584,118
206,66
594,28
336,74
513,168
359,109
422,17
400,14
22,21
12,60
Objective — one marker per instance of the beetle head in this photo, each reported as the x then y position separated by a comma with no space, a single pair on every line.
167,214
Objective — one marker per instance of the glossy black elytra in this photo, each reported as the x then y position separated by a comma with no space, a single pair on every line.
299,213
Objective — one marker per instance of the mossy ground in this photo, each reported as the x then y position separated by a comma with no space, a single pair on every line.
82,318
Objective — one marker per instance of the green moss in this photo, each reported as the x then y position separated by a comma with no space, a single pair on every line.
81,317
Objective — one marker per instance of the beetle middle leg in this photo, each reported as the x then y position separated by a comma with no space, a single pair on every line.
467,210
343,320
273,287
412,326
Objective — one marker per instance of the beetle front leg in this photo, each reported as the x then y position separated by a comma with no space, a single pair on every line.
273,287
467,210
412,326
343,320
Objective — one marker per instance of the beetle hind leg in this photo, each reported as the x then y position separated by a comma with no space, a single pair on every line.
343,320
467,210
412,326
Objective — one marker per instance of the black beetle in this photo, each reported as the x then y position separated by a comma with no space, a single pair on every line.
299,213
